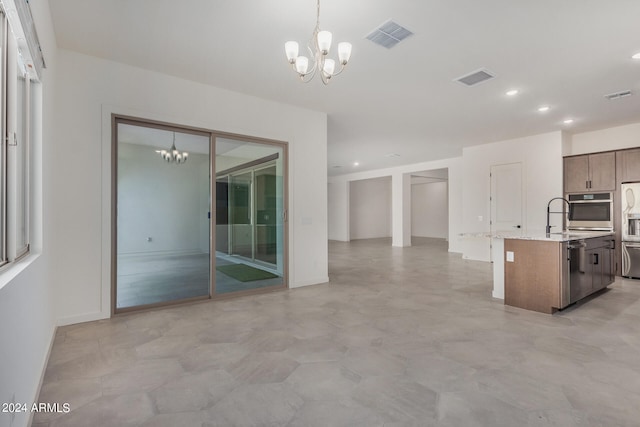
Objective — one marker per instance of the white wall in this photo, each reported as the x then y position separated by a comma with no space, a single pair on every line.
370,208
27,316
340,219
94,89
429,213
338,210
161,201
541,157
615,138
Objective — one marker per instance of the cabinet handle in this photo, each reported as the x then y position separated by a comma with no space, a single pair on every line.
596,260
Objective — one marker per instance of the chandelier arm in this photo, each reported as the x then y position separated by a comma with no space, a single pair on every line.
306,78
342,67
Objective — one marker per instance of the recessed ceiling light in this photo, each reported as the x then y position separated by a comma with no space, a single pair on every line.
636,56
543,109
356,163
512,92
568,121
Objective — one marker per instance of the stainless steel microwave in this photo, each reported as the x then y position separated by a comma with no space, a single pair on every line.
590,211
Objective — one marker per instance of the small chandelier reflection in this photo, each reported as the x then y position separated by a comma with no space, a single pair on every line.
318,48
173,155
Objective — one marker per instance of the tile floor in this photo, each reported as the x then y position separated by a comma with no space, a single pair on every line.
400,337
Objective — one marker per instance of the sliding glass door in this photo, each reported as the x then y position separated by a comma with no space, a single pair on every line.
250,216
169,244
162,216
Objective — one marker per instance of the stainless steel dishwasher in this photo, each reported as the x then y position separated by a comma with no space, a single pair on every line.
580,280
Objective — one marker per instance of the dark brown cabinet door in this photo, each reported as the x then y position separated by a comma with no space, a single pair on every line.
630,167
602,172
576,174
591,172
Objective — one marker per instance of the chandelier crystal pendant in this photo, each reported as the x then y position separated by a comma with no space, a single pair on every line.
318,48
173,155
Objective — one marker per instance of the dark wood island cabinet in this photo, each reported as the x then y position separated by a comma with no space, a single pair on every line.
547,274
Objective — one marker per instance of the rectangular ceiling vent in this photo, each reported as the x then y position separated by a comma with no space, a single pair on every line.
472,79
618,95
388,34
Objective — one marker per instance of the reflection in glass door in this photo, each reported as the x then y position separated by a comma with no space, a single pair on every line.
162,228
266,208
250,217
240,213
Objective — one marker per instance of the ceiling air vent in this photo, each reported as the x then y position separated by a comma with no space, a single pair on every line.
388,34
618,95
472,79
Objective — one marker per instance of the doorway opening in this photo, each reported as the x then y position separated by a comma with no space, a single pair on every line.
430,206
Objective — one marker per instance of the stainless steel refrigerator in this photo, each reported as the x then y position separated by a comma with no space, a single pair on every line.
631,230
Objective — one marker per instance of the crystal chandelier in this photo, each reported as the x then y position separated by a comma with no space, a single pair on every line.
318,47
173,155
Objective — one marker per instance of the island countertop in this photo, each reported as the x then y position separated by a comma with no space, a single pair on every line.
541,235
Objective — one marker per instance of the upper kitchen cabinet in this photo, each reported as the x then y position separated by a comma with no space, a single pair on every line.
591,172
629,165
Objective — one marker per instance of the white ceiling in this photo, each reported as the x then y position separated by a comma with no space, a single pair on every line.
563,53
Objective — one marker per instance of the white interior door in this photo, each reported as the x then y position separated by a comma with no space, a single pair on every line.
506,198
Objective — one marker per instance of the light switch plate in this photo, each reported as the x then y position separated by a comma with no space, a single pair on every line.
509,256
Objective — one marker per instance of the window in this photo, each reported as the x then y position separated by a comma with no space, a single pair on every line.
16,124
21,163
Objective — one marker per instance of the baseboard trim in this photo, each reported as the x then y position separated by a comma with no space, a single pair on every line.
309,282
162,253
82,318
36,398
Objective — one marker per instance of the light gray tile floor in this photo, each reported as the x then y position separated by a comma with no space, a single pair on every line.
400,337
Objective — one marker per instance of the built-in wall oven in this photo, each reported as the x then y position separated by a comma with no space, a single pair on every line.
590,211
631,229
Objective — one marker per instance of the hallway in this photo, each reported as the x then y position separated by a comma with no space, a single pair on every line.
401,336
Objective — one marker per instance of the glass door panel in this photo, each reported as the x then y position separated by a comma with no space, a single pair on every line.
162,217
250,232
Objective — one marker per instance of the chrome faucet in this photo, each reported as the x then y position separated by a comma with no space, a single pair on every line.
548,229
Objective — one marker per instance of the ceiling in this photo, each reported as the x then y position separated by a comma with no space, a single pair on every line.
402,101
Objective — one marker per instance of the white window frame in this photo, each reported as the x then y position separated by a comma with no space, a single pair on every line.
15,170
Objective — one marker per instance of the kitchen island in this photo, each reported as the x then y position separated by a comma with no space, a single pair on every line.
546,273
